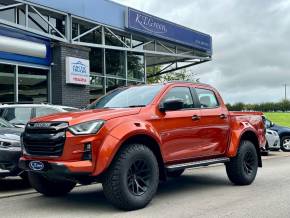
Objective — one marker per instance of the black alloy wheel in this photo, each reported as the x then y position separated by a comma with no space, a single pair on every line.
249,163
139,176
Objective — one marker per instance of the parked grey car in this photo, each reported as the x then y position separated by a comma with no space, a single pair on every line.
20,114
10,150
273,140
15,118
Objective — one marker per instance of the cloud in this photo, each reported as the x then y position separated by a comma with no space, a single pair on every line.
251,59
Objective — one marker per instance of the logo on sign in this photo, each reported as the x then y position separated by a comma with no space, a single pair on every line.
151,25
36,165
79,68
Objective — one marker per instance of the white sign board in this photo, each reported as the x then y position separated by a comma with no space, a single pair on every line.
77,71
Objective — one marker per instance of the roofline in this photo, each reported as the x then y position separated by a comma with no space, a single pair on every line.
187,82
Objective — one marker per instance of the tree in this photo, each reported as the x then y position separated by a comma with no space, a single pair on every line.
179,75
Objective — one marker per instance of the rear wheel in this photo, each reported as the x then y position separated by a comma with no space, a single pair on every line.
175,173
285,144
48,187
242,169
132,179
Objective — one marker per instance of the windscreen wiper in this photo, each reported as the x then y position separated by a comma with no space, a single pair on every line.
141,105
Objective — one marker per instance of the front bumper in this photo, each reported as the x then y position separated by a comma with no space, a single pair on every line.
275,145
9,157
60,170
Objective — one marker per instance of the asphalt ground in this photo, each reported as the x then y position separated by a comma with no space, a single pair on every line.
201,192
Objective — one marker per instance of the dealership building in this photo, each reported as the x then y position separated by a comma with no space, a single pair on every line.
70,52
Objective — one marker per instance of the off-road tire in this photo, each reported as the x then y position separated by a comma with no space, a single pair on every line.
175,173
282,141
242,169
119,181
48,187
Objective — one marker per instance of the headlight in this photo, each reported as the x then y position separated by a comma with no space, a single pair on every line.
7,142
268,132
91,127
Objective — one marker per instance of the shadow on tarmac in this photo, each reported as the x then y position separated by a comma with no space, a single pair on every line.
13,184
93,200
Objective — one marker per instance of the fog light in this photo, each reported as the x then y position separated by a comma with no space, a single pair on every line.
88,151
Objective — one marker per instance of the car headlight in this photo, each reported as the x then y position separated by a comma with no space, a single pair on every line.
7,142
268,132
90,127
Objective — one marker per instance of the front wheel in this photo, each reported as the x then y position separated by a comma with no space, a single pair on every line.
49,187
242,169
285,144
132,179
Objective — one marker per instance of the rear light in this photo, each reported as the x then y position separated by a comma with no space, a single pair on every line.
87,152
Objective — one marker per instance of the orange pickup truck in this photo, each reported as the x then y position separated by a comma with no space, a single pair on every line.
135,136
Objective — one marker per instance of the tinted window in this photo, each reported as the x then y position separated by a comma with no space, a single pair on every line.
207,98
180,93
42,111
17,116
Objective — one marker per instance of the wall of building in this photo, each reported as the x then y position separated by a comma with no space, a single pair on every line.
62,93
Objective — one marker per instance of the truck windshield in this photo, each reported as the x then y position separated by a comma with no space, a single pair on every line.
136,96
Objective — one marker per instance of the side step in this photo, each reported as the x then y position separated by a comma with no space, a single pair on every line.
197,163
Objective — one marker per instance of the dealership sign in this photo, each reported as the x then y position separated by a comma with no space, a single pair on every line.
151,25
77,71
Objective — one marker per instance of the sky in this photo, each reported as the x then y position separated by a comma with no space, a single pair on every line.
251,43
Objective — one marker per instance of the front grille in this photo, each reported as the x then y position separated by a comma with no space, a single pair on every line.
45,139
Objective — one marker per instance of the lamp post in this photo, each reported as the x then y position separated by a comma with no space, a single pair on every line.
285,85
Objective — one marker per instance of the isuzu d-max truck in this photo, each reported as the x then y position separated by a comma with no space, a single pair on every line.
133,137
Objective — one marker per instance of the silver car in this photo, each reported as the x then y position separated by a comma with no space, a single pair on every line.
273,140
20,114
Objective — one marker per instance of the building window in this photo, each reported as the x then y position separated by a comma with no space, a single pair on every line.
32,85
92,37
8,15
136,68
7,79
96,87
115,63
112,84
96,59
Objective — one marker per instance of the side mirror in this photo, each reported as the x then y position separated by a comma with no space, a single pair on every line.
272,124
172,105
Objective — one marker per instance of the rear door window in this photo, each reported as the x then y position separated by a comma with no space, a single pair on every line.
18,115
207,98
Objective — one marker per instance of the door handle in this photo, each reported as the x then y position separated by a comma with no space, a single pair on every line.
195,117
223,116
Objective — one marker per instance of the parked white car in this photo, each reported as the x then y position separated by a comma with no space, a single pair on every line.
20,114
273,140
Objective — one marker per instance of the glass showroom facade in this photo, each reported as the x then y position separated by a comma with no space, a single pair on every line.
23,84
38,38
